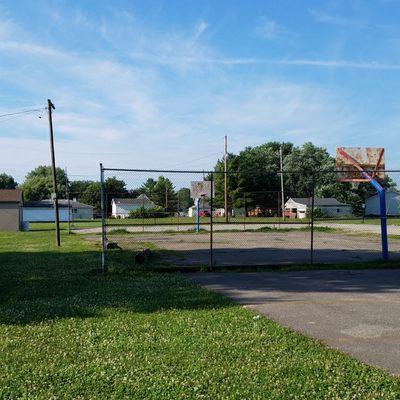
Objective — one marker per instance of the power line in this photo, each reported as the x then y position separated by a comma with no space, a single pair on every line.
195,159
21,112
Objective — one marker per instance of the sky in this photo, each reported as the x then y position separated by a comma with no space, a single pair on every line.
158,84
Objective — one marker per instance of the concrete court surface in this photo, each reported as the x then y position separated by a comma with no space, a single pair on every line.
262,248
355,311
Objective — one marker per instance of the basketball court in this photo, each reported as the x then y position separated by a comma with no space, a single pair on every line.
259,248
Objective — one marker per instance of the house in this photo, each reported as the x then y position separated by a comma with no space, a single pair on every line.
204,207
372,206
10,209
120,208
297,207
43,210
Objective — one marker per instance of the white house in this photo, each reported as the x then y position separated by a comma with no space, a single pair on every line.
204,208
296,207
120,208
43,211
372,206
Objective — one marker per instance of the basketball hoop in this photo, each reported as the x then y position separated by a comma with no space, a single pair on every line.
360,164
366,164
200,189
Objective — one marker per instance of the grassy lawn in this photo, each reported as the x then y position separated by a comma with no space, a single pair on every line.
40,226
69,333
368,221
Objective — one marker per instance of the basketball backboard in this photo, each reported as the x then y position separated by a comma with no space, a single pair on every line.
200,189
351,162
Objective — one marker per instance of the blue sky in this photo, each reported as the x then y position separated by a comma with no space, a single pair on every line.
157,84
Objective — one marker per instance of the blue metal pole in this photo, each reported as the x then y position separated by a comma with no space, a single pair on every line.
382,202
197,216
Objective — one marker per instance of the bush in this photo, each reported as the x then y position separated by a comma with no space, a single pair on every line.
154,212
317,213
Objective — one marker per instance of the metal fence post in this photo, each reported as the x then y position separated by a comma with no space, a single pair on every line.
312,221
103,225
211,222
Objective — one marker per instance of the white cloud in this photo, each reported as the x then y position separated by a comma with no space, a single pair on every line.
131,111
336,19
268,29
200,28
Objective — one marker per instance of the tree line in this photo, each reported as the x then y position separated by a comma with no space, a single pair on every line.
38,186
253,180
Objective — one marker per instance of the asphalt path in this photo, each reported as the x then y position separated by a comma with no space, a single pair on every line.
355,311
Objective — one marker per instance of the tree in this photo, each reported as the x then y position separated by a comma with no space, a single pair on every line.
38,184
114,187
77,188
164,195
91,195
7,182
184,201
148,187
252,176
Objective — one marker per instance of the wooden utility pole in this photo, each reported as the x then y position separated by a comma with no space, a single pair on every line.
166,196
50,107
282,192
68,200
226,179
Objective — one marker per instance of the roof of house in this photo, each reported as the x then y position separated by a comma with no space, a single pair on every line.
138,200
391,191
322,202
10,195
62,203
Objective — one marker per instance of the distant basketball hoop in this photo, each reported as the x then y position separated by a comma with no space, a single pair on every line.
200,189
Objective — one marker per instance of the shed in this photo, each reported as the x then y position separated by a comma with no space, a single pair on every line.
296,207
43,210
120,208
372,206
10,209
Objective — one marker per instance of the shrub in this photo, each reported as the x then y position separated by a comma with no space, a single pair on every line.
318,213
154,212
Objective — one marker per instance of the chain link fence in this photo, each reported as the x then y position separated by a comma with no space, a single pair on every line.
156,214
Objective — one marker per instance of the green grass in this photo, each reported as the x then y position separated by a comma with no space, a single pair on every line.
368,221
43,226
82,224
67,332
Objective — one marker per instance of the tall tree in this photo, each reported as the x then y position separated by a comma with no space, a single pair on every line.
7,182
252,176
183,199
91,195
309,167
38,183
164,194
77,188
148,187
115,187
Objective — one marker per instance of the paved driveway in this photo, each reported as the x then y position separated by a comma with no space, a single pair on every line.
357,312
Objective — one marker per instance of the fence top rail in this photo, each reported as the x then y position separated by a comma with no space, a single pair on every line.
161,170
203,171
